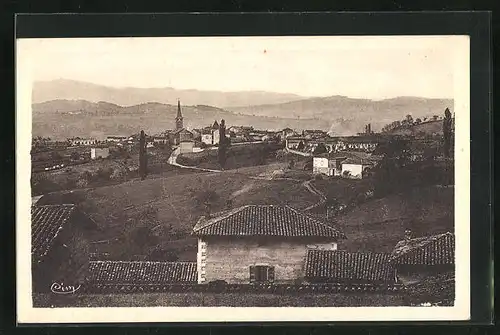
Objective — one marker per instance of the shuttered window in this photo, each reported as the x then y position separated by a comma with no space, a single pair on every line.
261,274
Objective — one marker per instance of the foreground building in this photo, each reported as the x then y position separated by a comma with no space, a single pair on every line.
60,236
141,273
332,266
416,259
259,244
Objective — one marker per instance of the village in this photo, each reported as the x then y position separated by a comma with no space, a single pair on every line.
271,212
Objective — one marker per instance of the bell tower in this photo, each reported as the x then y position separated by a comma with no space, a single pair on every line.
179,124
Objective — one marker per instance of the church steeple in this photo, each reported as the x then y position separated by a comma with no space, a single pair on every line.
179,119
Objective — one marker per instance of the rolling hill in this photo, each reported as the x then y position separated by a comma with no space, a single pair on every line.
349,115
61,119
129,96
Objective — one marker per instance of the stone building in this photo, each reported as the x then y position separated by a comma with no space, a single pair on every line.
260,243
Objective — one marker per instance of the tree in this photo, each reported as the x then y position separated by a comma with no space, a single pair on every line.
447,132
301,145
320,149
409,119
418,121
223,144
75,156
143,158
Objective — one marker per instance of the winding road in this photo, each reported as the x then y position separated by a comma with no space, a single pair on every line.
172,160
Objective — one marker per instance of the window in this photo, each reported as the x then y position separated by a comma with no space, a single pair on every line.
261,274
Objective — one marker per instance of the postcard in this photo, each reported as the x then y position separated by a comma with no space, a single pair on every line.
219,179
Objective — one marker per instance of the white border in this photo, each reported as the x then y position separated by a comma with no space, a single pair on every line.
461,311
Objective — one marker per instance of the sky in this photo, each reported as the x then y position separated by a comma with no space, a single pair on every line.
361,67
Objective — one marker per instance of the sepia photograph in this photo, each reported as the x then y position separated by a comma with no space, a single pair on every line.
278,175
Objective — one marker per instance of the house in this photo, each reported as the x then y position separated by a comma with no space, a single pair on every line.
328,164
160,140
60,236
239,131
259,244
106,272
356,168
78,141
181,135
196,134
207,136
332,266
99,152
314,134
295,142
418,258
285,133
186,146
116,139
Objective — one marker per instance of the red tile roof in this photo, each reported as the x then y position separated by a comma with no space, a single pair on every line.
348,266
429,250
265,220
141,272
46,223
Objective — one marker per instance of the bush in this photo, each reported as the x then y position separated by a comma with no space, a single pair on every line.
118,174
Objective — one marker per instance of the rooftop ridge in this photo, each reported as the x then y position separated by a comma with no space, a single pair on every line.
317,220
427,240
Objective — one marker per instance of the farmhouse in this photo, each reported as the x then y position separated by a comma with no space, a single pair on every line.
77,141
327,266
60,237
259,243
356,168
240,132
328,164
415,259
99,152
160,139
105,272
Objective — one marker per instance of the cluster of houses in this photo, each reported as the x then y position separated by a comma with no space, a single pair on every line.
252,244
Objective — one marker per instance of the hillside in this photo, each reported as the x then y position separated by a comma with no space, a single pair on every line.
128,96
170,206
428,128
348,115
379,224
60,119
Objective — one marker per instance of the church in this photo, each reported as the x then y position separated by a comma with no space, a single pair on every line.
180,134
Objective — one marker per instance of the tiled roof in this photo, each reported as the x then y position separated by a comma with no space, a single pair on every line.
429,250
265,220
46,223
141,272
354,266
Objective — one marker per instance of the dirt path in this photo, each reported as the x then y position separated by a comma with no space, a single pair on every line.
172,160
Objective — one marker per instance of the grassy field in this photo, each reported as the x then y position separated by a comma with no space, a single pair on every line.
221,299
379,224
170,206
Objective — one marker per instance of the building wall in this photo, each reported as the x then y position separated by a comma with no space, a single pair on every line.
186,147
356,170
99,153
321,165
207,139
230,259
216,136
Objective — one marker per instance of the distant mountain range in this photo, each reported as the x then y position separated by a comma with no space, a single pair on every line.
65,108
60,119
129,96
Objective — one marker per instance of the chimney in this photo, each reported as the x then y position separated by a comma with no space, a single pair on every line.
408,234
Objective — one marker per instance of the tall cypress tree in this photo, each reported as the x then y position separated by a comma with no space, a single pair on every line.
447,132
143,159
222,151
